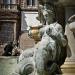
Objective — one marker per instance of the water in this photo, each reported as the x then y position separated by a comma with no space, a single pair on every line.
7,65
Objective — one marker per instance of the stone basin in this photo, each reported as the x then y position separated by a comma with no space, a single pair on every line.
7,65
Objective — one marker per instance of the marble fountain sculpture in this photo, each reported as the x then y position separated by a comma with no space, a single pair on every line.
47,56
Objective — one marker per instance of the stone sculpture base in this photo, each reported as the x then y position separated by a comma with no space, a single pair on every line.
7,65
69,67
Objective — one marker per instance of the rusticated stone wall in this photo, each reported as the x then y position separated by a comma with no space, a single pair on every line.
6,32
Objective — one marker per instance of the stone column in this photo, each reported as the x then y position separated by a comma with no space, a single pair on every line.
15,32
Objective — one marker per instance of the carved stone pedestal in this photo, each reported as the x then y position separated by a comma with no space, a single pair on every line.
7,65
69,67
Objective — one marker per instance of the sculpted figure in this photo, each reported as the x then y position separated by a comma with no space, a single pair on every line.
51,50
46,57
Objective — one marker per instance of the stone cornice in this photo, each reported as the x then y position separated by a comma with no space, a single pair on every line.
9,15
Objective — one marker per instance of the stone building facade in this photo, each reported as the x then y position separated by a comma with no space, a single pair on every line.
29,12
10,22
15,17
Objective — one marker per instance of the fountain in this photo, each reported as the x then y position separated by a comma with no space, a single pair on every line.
48,54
